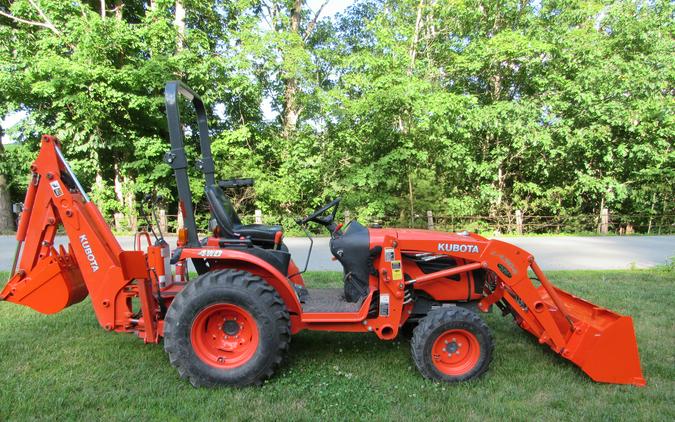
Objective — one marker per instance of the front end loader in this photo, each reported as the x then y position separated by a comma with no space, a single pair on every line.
232,323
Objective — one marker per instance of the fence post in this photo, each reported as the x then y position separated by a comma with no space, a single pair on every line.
258,217
119,218
180,221
348,217
133,223
604,221
430,220
519,222
629,229
163,222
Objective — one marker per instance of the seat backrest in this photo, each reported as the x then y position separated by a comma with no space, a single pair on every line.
222,209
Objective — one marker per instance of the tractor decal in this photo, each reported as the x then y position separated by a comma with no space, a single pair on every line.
210,253
455,247
90,254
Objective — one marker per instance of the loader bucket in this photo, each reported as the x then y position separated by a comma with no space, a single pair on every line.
602,343
54,284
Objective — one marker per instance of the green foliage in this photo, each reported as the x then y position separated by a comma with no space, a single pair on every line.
460,107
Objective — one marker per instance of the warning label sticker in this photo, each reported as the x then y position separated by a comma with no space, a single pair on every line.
384,305
396,272
56,187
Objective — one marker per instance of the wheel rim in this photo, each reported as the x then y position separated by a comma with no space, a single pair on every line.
224,335
455,352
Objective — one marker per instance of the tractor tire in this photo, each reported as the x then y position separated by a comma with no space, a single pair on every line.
227,327
452,344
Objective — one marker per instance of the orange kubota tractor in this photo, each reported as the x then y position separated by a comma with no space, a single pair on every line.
232,324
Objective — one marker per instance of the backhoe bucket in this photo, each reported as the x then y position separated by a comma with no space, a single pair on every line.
602,343
53,284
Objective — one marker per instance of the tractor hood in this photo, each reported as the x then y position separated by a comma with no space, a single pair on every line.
417,234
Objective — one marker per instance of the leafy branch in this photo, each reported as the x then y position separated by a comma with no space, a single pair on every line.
46,23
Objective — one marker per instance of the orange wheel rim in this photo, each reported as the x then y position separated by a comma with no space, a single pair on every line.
224,336
455,352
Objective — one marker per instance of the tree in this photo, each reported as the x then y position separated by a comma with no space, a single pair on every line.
472,107
94,77
6,216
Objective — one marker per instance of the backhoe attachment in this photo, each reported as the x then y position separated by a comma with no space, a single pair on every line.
50,280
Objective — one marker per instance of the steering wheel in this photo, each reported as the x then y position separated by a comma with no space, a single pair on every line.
316,215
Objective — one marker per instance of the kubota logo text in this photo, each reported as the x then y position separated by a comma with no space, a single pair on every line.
90,254
455,247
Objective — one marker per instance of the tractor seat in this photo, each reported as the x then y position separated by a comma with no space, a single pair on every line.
230,224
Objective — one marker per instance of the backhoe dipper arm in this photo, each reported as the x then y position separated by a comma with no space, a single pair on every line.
49,280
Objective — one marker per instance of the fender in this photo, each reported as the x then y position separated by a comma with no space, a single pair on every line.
230,258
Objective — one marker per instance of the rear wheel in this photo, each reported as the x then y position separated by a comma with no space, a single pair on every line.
227,327
452,344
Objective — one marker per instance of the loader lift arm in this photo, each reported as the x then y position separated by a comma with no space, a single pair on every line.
49,280
601,342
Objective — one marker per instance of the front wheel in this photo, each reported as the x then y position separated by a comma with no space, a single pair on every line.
227,327
452,344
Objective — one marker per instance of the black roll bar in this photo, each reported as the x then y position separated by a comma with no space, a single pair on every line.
176,157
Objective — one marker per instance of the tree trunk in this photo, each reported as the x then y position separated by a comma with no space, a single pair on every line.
6,216
416,38
119,5
651,213
291,110
99,181
119,194
411,198
125,197
500,186
131,205
401,121
179,21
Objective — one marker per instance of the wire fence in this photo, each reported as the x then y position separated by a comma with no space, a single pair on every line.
621,224
515,224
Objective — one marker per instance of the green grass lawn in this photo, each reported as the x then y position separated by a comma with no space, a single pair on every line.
65,366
